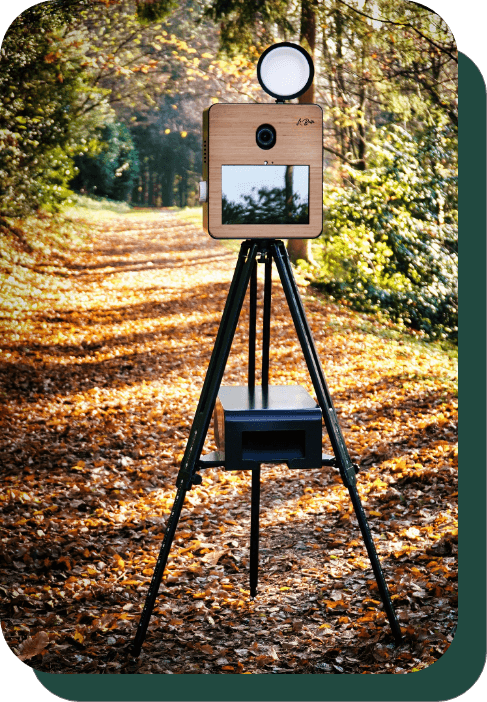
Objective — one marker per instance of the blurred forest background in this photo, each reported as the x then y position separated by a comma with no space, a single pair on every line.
103,99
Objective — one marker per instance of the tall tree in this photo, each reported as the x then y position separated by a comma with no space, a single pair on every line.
300,249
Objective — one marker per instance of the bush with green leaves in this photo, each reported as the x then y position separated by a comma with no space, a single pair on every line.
41,81
390,238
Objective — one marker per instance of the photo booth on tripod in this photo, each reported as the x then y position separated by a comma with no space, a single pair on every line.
263,180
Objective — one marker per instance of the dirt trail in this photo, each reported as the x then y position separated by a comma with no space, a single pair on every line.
99,392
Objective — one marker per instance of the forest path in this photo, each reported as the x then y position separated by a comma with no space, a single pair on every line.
99,390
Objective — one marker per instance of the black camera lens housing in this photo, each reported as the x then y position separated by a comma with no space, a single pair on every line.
265,136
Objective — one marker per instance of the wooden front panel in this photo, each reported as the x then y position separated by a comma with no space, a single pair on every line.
231,141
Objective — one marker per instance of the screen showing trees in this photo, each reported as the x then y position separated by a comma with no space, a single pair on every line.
265,194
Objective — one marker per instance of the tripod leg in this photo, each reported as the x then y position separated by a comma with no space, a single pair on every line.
254,532
159,570
214,374
252,327
255,505
218,361
266,327
344,461
311,356
375,562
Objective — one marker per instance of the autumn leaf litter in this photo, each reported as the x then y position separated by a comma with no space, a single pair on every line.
100,384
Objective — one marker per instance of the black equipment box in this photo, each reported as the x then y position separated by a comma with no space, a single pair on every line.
278,424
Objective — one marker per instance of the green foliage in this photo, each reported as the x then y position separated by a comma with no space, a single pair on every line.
153,10
244,23
53,183
113,169
390,240
41,80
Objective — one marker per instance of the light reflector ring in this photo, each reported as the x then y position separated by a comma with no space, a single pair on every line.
285,71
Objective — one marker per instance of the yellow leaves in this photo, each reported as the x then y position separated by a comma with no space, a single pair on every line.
368,617
359,563
207,55
368,600
124,71
194,545
183,134
79,637
332,604
120,563
165,316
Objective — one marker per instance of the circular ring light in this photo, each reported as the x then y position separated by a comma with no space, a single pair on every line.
285,71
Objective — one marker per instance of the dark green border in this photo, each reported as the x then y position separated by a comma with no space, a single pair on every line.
462,664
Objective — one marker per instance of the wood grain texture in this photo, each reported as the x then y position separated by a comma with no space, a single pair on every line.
231,141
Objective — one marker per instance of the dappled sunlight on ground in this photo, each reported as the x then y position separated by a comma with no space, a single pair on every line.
99,387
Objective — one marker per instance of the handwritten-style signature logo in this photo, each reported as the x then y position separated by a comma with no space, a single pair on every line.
304,121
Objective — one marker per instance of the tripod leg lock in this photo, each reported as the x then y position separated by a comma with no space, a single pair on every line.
196,480
348,474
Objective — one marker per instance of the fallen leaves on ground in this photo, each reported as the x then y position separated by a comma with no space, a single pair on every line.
100,385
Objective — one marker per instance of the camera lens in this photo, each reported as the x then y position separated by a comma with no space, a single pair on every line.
265,136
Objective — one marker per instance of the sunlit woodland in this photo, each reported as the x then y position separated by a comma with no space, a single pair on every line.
111,296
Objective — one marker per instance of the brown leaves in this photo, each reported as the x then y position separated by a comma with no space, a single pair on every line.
100,392
33,646
213,557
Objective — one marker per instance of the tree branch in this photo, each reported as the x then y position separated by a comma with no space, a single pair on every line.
442,49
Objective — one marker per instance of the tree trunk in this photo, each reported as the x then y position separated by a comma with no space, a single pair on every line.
289,192
301,248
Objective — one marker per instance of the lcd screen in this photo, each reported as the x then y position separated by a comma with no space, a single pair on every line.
265,194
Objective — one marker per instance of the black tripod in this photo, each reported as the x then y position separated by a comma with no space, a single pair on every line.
245,272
